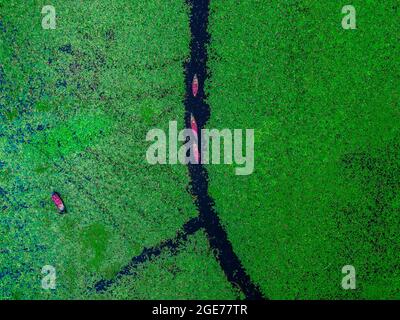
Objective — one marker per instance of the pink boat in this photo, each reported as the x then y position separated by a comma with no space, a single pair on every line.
195,130
195,85
193,124
58,202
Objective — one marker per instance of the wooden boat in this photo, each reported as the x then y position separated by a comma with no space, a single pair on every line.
193,125
195,130
195,85
58,202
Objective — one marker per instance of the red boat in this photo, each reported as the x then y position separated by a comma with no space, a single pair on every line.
195,130
195,85
58,202
193,124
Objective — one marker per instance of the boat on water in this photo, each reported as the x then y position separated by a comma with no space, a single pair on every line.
193,125
195,85
58,202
